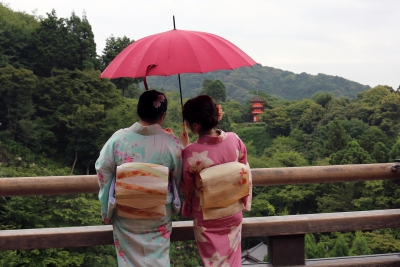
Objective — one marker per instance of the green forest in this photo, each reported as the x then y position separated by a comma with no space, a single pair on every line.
56,114
241,83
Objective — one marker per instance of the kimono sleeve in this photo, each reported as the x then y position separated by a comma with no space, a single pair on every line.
242,158
105,168
177,160
187,185
176,173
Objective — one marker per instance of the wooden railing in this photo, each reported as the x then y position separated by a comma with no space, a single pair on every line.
285,233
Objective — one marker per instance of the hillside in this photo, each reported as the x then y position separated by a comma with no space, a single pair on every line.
275,82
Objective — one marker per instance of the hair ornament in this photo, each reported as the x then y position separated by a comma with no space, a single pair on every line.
220,112
158,101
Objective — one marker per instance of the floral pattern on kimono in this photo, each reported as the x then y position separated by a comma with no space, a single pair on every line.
235,236
218,240
198,232
217,260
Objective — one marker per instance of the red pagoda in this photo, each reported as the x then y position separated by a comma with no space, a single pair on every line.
257,107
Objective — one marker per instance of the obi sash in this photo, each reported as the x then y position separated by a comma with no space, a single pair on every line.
141,190
221,189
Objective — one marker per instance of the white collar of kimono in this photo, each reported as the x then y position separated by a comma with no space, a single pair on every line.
146,130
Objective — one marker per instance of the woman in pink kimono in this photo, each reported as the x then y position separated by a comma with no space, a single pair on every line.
219,238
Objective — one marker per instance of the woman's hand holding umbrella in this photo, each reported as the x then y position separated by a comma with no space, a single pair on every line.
184,136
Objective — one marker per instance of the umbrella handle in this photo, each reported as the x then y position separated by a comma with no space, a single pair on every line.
145,83
144,78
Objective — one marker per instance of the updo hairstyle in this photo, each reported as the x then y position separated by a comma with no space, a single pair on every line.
152,104
202,110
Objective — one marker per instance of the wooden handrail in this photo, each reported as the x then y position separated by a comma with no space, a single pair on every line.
80,184
283,232
183,230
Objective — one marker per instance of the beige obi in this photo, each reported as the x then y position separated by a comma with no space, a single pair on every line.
221,189
141,190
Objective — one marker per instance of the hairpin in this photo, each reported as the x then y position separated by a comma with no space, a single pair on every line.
157,103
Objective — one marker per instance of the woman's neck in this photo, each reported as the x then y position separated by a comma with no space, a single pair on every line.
210,132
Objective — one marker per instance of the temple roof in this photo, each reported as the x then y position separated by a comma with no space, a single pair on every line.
255,254
257,99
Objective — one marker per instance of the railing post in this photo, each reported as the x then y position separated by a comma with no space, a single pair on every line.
286,250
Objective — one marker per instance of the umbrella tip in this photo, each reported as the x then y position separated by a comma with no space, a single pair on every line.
173,19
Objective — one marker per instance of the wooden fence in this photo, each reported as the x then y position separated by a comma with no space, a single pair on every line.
285,233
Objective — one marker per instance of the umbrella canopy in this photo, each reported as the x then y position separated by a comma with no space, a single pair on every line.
176,52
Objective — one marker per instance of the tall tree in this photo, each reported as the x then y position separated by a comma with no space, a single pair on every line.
85,47
204,85
215,89
113,47
54,46
61,43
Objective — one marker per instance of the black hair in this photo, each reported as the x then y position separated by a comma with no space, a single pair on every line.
152,104
202,110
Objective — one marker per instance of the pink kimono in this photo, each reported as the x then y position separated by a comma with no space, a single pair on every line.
218,240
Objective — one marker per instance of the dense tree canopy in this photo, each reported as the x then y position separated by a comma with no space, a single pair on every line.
60,43
15,38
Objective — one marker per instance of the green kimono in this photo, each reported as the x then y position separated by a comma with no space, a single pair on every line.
140,242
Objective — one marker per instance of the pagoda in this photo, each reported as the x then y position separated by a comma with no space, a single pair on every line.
256,107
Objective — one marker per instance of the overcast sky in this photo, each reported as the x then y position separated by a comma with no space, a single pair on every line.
358,40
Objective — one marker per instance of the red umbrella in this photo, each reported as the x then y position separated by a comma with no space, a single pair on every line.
175,52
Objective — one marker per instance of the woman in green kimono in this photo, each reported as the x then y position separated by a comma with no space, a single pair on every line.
141,241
